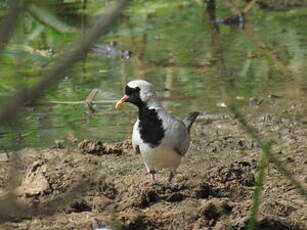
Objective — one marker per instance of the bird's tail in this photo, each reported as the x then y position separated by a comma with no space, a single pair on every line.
189,120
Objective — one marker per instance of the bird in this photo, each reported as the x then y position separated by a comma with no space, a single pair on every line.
161,139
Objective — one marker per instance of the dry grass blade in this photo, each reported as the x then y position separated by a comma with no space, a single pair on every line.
260,181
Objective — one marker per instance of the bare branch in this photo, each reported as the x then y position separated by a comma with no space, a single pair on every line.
249,6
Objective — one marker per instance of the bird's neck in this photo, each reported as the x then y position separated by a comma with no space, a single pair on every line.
153,103
150,124
147,109
146,112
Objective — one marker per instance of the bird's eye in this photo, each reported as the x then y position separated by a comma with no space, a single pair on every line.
130,91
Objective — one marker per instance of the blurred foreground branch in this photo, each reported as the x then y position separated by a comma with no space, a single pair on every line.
252,35
101,26
9,21
249,32
262,164
13,209
271,156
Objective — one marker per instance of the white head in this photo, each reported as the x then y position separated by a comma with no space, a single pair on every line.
139,92
146,89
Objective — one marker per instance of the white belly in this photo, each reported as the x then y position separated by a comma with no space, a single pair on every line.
159,158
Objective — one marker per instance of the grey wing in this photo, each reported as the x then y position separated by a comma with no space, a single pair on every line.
184,138
179,137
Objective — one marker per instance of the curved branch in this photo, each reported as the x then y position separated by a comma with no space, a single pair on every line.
101,26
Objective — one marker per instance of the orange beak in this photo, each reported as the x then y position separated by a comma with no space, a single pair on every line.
121,101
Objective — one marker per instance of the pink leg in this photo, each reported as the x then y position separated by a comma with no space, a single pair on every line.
170,177
152,176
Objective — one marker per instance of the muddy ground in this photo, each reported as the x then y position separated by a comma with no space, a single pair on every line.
87,188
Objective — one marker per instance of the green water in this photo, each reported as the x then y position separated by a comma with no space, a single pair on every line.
173,46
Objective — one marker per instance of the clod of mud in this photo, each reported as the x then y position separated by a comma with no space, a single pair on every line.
269,223
99,148
35,183
134,220
277,208
242,172
213,209
231,180
145,198
203,191
63,182
80,206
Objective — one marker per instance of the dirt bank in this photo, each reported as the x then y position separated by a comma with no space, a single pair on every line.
80,189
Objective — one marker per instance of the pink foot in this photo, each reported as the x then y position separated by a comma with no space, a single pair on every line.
152,176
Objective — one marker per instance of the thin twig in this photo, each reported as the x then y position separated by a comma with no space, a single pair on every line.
89,99
249,6
71,102
111,101
75,102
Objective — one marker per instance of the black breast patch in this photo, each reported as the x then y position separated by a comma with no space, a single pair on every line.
151,128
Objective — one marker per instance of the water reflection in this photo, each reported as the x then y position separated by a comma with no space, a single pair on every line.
182,51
